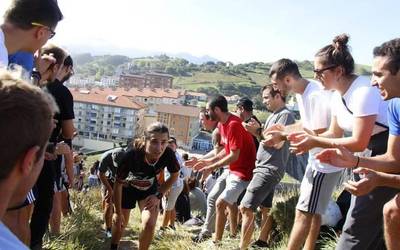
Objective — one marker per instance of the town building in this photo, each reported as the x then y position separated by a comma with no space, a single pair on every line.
148,80
104,116
183,122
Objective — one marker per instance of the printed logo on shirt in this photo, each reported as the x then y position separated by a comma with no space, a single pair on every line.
140,182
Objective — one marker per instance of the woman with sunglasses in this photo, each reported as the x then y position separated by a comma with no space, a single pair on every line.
136,182
358,123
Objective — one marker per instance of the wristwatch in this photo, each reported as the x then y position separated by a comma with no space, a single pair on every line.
159,195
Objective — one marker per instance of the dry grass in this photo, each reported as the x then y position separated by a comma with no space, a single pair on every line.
83,229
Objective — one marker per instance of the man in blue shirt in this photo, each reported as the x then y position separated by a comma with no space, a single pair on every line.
22,150
380,170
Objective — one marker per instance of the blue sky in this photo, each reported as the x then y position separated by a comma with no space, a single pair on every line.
236,30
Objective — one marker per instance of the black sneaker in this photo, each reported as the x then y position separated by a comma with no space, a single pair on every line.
259,244
201,237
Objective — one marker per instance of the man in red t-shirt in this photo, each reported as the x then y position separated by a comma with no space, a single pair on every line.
239,153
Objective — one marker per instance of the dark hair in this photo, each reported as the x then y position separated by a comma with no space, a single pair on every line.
58,53
220,102
284,67
68,61
156,127
338,54
94,167
22,13
26,120
246,103
185,156
204,112
390,49
273,91
172,139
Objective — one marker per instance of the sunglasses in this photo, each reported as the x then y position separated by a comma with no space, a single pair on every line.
52,32
321,71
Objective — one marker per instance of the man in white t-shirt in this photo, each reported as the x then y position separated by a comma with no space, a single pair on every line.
28,24
319,179
22,150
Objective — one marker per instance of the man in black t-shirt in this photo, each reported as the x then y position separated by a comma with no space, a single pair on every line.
136,182
63,132
244,109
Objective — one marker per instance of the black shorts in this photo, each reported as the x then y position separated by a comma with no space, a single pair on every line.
132,195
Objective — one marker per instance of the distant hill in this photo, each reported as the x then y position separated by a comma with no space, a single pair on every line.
109,49
211,77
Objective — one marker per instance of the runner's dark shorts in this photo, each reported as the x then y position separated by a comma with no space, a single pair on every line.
132,195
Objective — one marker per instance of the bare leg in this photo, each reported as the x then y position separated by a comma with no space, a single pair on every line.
55,217
247,227
108,214
301,227
220,219
233,215
64,203
266,224
173,218
166,218
149,220
391,212
118,231
313,233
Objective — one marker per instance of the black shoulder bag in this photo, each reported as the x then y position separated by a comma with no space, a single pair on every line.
378,142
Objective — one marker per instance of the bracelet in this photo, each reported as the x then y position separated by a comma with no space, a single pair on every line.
358,161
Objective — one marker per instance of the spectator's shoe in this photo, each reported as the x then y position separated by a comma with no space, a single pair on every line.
108,234
217,243
259,244
232,236
161,233
202,236
171,227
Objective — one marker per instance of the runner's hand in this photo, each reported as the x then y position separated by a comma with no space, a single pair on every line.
119,220
151,202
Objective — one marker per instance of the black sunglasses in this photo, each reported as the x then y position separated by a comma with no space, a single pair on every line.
320,71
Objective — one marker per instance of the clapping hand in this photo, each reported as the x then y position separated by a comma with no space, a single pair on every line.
339,157
365,184
301,142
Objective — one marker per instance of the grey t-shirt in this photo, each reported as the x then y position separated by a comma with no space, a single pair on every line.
269,158
109,161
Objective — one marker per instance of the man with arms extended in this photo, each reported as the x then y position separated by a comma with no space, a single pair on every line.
380,170
319,179
239,153
270,169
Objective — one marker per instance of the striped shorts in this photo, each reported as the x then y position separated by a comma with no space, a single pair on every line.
316,190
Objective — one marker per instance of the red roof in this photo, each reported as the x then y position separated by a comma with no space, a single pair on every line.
104,98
